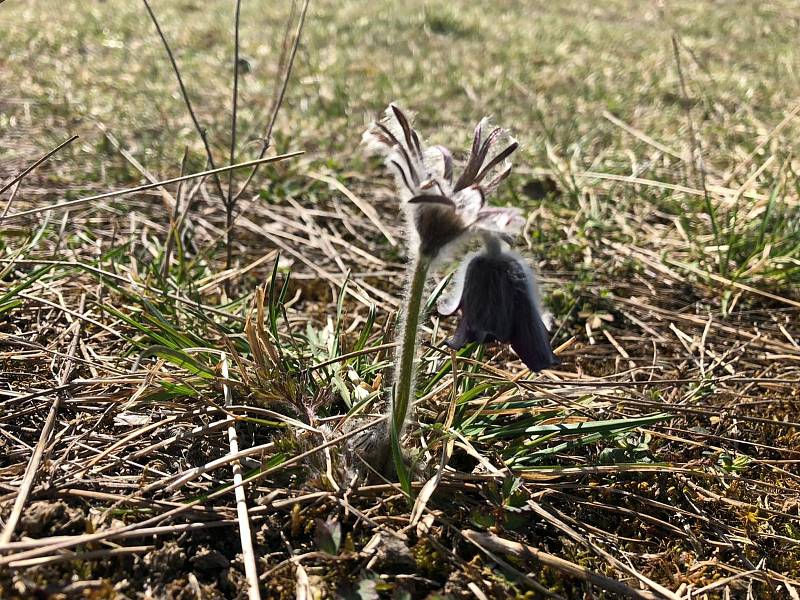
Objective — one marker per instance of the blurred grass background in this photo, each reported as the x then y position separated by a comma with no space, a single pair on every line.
547,70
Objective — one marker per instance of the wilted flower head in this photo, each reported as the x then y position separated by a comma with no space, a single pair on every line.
497,294
441,208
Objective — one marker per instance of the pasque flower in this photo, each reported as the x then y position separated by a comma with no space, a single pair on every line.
442,209
498,301
497,295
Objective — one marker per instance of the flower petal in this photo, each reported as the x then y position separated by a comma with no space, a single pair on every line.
440,212
403,152
507,220
412,139
395,140
446,163
530,339
450,301
418,170
499,158
469,203
461,337
488,298
500,302
473,165
533,347
483,158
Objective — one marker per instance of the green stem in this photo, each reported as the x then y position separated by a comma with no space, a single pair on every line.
408,349
404,388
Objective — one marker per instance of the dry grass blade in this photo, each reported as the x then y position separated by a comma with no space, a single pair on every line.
492,542
149,186
363,206
142,532
201,131
82,556
735,284
641,135
741,166
192,474
251,571
20,176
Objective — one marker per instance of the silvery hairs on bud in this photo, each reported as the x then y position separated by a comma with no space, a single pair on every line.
440,208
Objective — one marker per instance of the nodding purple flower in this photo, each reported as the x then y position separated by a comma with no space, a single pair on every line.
440,207
498,297
499,301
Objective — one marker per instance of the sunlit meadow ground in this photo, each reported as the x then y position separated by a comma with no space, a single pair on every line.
659,174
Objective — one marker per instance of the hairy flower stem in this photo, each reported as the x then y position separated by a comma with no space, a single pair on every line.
404,383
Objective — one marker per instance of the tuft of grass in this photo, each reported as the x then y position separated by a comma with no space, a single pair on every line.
445,21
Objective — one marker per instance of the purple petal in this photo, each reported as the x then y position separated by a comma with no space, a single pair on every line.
412,140
497,160
447,159
531,342
473,162
500,302
402,150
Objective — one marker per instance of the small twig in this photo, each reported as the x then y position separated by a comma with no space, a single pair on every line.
663,148
201,132
137,285
79,556
16,181
365,207
278,99
194,473
126,154
35,164
137,533
230,202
